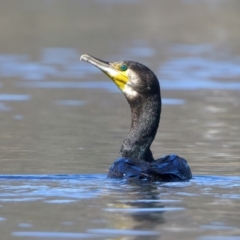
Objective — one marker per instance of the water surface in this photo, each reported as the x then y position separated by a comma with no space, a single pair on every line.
117,208
63,121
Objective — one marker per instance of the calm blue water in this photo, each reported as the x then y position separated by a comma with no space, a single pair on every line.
130,200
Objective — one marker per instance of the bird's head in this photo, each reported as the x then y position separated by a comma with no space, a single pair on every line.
133,79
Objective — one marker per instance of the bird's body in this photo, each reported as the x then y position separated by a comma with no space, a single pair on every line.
142,91
167,169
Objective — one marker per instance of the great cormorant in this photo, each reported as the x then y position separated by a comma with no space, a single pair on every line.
142,91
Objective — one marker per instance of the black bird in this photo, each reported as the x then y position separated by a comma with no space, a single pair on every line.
142,91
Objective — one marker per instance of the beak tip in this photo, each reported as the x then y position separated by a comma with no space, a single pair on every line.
84,57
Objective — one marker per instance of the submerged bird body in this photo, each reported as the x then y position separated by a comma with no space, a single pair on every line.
168,168
142,91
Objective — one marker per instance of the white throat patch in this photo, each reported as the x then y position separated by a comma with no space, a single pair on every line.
129,91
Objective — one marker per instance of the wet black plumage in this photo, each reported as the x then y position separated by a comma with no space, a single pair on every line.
168,169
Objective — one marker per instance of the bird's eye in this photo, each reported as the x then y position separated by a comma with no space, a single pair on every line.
123,67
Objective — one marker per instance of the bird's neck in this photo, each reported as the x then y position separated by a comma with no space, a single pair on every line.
145,120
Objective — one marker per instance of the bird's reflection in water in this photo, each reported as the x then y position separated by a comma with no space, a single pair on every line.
139,207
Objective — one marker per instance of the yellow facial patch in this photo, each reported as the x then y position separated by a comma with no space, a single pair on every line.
119,77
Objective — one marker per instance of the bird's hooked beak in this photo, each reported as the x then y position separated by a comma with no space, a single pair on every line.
119,77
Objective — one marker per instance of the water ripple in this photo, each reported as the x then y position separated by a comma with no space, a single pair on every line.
143,210
65,189
190,73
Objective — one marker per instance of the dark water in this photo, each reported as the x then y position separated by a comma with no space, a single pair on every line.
63,122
